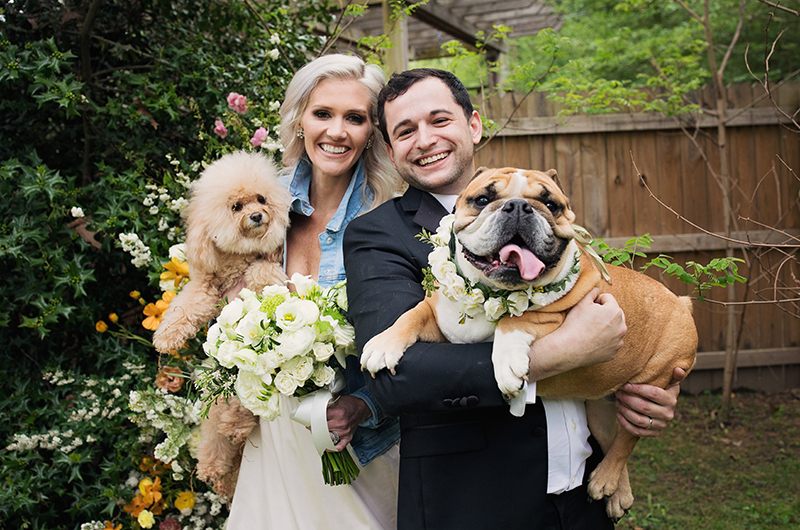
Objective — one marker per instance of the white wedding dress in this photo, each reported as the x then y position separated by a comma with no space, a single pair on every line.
280,486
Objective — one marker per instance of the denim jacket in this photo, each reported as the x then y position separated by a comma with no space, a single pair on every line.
379,433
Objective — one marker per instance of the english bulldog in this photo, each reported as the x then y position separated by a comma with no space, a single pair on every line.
510,269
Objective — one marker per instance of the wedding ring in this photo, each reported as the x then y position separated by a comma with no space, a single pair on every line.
335,435
646,428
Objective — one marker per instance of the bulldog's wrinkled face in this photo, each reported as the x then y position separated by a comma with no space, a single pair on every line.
512,227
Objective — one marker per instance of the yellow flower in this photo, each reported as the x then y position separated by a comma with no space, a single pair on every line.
176,270
101,326
113,318
135,295
146,519
155,312
185,501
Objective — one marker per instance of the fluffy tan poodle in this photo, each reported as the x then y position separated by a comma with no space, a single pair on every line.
236,221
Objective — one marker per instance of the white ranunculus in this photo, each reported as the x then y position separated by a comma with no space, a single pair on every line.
322,351
303,284
285,383
323,375
300,368
494,308
267,362
227,352
231,313
294,343
245,359
296,313
517,302
249,388
275,290
178,251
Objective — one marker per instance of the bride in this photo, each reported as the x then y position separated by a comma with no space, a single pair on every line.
338,169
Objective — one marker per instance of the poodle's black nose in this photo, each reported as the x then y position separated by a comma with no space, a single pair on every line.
256,217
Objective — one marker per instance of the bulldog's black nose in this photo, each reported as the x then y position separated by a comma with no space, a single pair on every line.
256,217
517,206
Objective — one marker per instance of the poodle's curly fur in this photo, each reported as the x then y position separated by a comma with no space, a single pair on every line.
236,222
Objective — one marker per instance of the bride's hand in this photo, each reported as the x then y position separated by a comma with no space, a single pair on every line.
344,416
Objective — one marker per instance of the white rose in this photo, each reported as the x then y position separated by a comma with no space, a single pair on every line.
178,251
77,212
493,308
213,336
231,313
294,343
285,383
442,235
344,335
517,302
296,313
303,284
473,303
251,301
300,368
323,375
322,351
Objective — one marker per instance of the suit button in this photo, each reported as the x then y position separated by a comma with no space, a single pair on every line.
463,402
472,401
538,432
448,402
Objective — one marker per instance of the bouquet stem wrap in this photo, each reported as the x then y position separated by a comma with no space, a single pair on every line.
337,467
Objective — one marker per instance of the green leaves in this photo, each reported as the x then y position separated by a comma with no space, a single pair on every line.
719,272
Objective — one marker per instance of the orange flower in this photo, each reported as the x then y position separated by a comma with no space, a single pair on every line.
176,270
135,294
101,326
155,312
151,490
136,506
113,318
110,526
169,378
151,465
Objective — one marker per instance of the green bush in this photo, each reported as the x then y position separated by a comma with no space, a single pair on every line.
107,113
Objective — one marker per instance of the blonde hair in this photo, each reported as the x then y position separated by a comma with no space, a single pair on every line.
381,177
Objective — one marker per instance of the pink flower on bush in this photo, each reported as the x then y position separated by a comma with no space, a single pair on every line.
237,103
259,136
220,129
169,523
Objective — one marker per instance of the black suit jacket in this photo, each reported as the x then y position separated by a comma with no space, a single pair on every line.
466,462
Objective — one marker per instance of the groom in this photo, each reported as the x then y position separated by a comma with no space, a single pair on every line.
466,462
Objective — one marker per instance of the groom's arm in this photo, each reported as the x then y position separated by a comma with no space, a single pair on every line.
384,274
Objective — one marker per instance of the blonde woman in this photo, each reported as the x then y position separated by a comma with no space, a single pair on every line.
337,168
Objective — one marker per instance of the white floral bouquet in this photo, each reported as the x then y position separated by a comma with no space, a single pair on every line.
273,348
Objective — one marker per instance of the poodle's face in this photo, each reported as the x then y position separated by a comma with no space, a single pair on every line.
238,206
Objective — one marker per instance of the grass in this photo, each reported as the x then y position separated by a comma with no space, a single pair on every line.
701,474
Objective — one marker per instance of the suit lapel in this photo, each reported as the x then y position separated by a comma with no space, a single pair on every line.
429,211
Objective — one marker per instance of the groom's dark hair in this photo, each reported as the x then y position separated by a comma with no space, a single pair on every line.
399,84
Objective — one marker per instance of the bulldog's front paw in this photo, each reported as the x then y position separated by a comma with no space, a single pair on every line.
603,482
172,335
511,361
380,353
618,504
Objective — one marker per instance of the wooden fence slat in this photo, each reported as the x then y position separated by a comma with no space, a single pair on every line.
668,153
621,181
595,189
646,211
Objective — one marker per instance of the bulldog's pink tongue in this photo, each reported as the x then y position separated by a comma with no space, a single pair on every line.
528,264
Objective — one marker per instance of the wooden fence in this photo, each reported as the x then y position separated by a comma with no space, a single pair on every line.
597,158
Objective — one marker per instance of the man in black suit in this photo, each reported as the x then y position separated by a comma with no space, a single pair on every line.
466,462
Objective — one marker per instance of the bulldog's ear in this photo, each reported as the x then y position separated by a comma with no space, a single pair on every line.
479,171
553,174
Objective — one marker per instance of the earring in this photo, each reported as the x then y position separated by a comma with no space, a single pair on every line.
369,143
301,133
